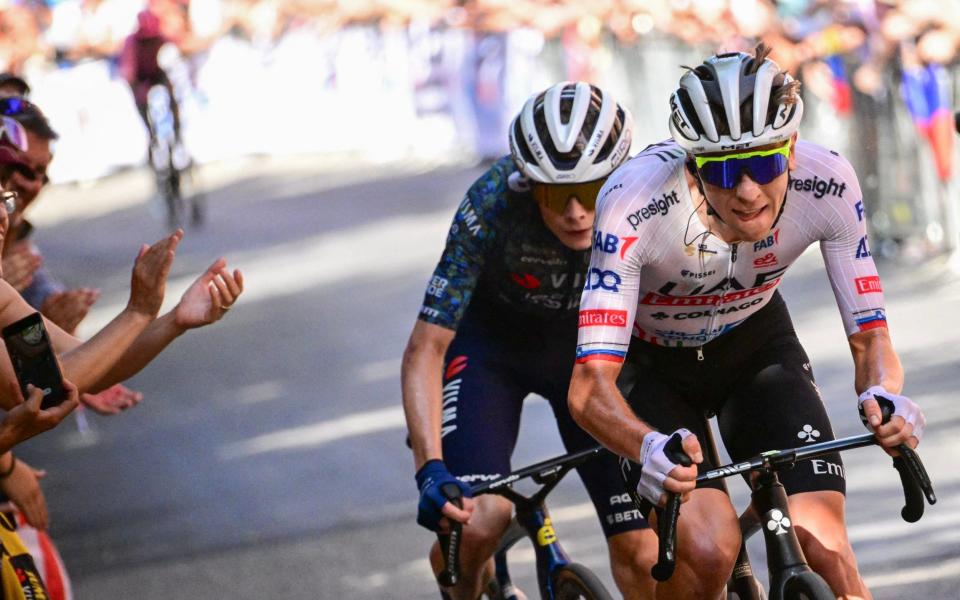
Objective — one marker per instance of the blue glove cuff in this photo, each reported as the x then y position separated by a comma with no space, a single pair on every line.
430,470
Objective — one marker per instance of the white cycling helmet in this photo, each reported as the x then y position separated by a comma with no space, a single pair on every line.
571,133
724,104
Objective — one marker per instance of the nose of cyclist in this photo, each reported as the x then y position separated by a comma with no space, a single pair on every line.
575,211
747,189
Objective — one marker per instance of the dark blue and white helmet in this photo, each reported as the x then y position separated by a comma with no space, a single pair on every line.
732,101
570,133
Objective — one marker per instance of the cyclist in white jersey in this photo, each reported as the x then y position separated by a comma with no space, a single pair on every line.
692,238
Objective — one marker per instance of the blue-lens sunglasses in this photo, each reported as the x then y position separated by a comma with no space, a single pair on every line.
725,171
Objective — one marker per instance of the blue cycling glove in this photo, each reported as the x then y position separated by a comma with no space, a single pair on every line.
431,478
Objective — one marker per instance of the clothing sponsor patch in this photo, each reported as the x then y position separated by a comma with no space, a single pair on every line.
525,280
455,366
655,299
657,206
605,280
437,286
767,260
819,187
770,240
868,285
603,318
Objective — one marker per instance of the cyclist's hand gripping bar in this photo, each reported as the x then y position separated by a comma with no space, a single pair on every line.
667,519
450,542
913,476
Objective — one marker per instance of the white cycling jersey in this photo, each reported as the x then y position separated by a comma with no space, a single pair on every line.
654,264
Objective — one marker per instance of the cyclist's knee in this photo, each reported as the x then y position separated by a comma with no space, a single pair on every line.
482,535
708,537
832,557
632,555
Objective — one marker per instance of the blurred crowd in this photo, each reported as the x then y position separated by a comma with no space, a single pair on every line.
441,78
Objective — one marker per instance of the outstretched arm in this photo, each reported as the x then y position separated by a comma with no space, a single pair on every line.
205,302
87,363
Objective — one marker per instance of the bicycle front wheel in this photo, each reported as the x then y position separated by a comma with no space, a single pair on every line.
574,581
807,586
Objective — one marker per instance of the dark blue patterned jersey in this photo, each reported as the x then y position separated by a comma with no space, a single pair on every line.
501,258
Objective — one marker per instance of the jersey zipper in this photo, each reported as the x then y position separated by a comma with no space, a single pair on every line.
713,313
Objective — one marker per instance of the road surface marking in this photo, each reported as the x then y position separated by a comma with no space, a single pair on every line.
949,568
379,371
260,392
312,436
402,244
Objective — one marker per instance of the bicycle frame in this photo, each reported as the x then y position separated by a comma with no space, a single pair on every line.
531,515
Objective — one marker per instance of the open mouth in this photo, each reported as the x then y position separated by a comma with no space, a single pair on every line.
749,215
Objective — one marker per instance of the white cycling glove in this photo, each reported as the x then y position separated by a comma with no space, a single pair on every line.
902,407
655,465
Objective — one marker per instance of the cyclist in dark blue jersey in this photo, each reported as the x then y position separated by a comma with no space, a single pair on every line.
499,321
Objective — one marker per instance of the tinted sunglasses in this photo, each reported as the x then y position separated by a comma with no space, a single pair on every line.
12,133
555,196
725,171
29,173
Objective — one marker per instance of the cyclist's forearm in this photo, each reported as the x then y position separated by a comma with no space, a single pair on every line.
421,379
875,361
598,407
422,404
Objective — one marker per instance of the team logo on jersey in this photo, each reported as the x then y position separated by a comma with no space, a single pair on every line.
657,206
525,280
605,242
770,240
455,366
603,318
437,286
697,275
819,187
863,249
767,260
868,285
608,243
605,280
655,299
467,217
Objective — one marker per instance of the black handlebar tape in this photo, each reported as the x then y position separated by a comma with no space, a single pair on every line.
916,483
667,525
450,542
667,532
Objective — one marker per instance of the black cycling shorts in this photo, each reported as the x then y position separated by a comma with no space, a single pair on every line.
490,368
757,380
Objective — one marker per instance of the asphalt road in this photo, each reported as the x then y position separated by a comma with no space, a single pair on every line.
267,459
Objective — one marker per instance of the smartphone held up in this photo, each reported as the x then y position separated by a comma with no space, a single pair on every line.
33,359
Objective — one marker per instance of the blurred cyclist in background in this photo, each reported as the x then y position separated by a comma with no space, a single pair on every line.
499,321
140,66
